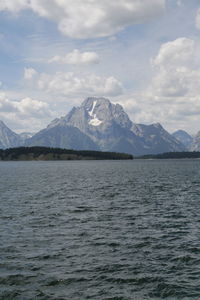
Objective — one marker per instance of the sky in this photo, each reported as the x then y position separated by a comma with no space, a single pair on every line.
143,54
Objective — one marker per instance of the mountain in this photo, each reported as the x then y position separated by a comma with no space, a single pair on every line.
26,135
109,127
183,137
156,139
8,138
98,124
105,123
195,146
62,136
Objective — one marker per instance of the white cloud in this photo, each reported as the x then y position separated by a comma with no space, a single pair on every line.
24,108
69,84
6,105
29,73
14,5
173,95
26,114
182,113
28,107
76,58
90,19
175,52
198,19
177,69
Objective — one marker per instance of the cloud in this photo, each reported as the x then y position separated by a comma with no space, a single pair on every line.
6,105
177,69
173,94
198,19
175,52
90,19
24,108
26,114
182,113
28,107
14,6
29,73
69,84
76,58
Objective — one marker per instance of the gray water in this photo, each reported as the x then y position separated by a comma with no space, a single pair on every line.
100,230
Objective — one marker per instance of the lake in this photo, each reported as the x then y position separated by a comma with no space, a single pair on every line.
100,230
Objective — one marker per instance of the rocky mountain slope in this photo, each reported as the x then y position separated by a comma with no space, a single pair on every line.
62,136
105,123
8,138
195,146
156,139
183,137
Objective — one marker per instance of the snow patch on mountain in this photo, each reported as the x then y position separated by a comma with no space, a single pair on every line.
93,107
94,121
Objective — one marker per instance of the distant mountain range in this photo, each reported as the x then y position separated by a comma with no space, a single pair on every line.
99,124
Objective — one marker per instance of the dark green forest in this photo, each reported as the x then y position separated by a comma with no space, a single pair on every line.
172,155
46,153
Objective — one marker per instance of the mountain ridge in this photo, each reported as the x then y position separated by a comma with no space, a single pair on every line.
98,124
8,138
183,137
111,129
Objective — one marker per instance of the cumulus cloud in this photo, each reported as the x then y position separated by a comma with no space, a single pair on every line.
32,108
26,114
175,52
181,113
173,95
25,107
177,69
90,19
76,58
69,84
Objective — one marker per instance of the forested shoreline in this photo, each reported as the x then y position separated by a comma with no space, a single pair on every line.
46,153
171,155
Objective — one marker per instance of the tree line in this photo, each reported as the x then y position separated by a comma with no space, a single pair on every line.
172,155
58,153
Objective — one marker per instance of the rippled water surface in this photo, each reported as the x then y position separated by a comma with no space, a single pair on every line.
100,230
